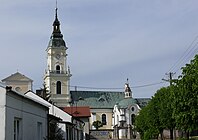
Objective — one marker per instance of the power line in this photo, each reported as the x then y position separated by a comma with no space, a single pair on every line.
190,51
191,54
103,88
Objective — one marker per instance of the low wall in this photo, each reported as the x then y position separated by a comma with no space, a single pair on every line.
100,134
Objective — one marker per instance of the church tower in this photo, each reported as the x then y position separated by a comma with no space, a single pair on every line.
57,75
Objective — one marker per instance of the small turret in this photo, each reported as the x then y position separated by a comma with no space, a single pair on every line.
127,90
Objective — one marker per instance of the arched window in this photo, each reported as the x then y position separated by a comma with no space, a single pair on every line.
132,109
104,120
58,87
132,119
57,69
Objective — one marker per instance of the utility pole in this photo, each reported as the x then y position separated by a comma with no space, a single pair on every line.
170,80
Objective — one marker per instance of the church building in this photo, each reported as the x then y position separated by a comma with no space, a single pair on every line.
116,110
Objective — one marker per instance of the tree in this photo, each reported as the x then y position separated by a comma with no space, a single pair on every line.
147,122
55,133
97,124
173,106
140,122
186,98
156,116
165,109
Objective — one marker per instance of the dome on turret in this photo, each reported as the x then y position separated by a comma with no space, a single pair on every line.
56,42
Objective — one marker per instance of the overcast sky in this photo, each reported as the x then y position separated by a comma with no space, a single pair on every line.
108,40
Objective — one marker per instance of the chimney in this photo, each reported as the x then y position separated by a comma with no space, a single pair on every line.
8,88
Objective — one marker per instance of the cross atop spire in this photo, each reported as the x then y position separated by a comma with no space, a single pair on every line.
56,10
56,4
56,15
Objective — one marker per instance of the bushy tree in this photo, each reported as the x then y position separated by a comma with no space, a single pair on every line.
97,124
173,106
165,112
156,116
185,101
55,133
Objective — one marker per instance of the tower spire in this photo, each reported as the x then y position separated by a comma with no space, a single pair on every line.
56,25
56,17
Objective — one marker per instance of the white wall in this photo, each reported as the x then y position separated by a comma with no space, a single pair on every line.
2,112
31,113
53,110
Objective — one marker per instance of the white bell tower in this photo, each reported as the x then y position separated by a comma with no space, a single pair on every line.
57,75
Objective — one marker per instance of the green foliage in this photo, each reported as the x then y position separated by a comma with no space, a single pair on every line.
97,124
173,106
55,132
156,116
186,97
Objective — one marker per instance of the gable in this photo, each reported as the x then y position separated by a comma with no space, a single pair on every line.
17,77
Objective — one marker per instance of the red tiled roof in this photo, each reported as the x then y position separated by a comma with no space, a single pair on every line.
79,111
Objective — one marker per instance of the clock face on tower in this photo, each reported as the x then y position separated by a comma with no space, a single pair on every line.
58,56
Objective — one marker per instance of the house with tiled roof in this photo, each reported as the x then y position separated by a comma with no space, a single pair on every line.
82,113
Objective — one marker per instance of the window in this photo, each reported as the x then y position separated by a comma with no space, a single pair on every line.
132,119
104,122
132,109
39,131
17,129
57,69
18,89
58,87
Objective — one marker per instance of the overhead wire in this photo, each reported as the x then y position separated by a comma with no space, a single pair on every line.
105,88
185,56
190,56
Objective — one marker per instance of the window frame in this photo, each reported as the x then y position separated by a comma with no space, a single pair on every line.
58,69
39,131
104,119
58,87
17,131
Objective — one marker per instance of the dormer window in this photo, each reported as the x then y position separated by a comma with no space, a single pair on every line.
101,99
